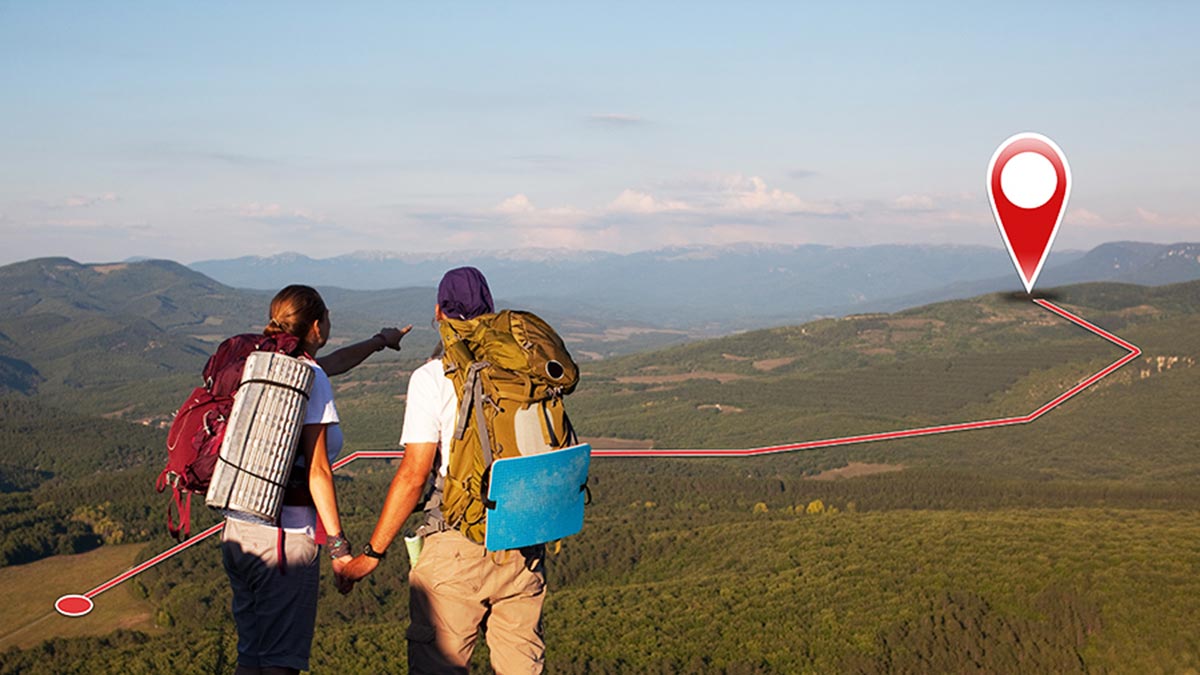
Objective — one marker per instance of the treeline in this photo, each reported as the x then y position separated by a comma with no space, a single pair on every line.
72,482
657,583
29,532
46,439
76,515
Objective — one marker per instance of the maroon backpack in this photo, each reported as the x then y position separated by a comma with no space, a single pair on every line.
194,439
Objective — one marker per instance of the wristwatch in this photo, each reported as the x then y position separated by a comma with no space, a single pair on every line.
372,553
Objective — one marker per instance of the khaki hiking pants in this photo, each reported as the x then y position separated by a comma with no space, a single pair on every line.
456,588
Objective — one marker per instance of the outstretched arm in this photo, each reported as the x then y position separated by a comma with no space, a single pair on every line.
342,360
402,497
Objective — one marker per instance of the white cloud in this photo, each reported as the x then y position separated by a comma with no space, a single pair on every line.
753,194
518,203
914,203
728,194
1174,220
519,209
1148,216
674,213
634,201
713,209
1085,218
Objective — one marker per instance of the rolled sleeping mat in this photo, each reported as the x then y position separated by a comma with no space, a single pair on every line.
260,442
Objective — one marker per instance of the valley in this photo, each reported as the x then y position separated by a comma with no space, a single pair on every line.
1064,545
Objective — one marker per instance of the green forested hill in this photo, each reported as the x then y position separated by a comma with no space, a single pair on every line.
1065,545
954,362
129,339
161,291
96,327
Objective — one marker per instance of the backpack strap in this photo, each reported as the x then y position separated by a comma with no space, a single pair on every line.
472,403
472,395
183,507
572,439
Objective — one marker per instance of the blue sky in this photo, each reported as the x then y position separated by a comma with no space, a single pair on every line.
200,130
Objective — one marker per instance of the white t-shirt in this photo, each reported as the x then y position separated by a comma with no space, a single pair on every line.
430,409
320,410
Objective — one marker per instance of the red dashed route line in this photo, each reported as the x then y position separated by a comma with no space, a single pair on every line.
142,567
1132,353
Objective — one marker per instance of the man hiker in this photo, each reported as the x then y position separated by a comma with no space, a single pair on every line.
456,586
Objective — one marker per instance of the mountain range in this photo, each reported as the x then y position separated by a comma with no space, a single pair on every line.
82,332
67,327
156,316
717,289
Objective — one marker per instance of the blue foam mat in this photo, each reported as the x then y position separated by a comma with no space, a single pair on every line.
538,498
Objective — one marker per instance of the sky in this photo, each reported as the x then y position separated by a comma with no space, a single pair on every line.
196,131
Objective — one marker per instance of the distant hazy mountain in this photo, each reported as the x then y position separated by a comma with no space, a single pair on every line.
67,326
1124,261
1130,262
153,317
378,270
721,288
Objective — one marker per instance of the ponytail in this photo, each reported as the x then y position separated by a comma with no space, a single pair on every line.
294,310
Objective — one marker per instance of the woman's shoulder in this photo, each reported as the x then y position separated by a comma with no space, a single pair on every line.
322,388
312,363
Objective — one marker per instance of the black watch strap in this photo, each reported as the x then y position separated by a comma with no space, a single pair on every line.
372,553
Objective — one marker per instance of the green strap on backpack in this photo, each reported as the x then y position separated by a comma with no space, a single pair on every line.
511,372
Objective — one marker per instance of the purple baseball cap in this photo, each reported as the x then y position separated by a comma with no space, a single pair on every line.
464,294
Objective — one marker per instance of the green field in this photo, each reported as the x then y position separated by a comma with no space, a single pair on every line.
27,615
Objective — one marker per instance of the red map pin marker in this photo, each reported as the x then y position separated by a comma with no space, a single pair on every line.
74,605
1029,182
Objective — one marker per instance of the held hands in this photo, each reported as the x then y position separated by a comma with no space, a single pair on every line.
392,336
344,584
357,569
349,570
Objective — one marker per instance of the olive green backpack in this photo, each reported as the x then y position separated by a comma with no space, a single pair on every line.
511,372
